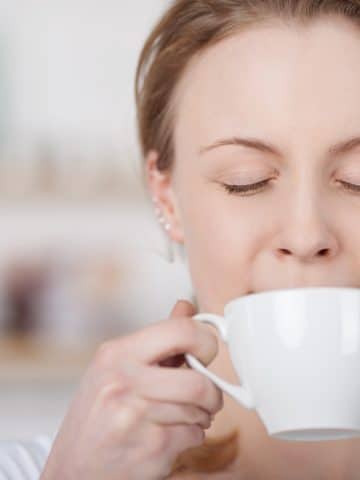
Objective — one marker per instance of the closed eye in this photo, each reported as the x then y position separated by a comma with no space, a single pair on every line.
259,186
350,186
246,188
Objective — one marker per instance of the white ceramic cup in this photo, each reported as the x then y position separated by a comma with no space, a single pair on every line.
297,355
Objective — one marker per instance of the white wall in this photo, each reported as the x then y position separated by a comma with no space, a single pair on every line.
72,66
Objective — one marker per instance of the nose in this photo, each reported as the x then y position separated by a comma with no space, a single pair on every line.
308,235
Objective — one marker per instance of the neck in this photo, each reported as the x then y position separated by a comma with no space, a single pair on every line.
263,456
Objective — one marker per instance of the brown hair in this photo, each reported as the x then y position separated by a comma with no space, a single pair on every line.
185,29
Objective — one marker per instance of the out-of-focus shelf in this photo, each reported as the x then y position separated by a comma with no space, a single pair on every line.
38,227
21,359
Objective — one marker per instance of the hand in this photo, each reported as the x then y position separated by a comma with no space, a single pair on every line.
135,410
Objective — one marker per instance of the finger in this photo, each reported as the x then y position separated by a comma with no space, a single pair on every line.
183,308
178,413
178,386
168,338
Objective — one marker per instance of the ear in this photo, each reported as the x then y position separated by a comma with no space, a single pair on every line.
160,184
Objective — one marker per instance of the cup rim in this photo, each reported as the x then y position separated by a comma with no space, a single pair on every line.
245,298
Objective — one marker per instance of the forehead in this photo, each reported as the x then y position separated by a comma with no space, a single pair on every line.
272,78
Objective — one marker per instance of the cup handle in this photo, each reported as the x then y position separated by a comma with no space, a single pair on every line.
238,392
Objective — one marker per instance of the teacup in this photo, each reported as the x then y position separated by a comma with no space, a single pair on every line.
296,352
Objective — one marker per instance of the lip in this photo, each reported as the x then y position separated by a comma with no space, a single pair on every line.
252,292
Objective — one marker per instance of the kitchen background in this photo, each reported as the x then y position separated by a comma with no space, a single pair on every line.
82,257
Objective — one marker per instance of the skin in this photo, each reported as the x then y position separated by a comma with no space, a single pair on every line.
296,88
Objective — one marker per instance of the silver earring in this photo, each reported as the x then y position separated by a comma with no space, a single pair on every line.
160,216
167,227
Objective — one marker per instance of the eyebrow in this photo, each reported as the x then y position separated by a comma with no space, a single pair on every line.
262,146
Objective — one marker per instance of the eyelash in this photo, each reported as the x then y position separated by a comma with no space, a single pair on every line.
233,189
255,187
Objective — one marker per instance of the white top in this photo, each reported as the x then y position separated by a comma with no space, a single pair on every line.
24,460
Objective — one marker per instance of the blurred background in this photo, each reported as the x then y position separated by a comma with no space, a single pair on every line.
82,256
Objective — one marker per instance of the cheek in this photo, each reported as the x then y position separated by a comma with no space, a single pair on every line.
221,228
221,240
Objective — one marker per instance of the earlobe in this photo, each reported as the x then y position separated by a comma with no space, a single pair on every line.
163,197
171,212
167,218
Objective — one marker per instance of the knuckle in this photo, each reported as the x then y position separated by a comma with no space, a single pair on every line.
204,420
194,414
220,400
128,419
115,390
199,417
216,401
124,421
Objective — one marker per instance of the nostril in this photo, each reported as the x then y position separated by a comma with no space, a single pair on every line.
285,251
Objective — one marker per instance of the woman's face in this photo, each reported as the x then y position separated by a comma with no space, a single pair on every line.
294,94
